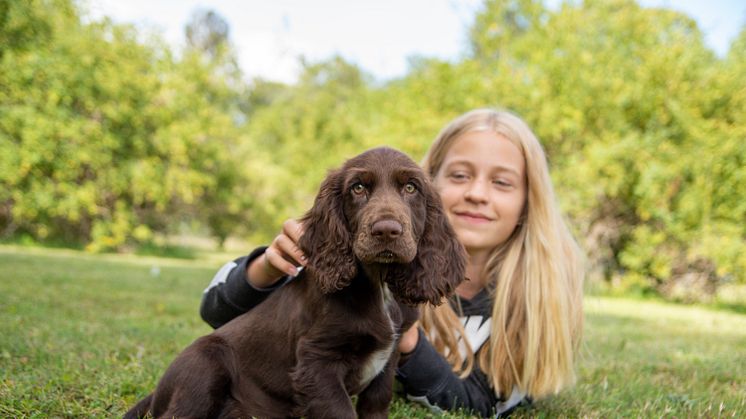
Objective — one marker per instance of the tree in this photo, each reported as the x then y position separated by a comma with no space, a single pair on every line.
108,140
302,132
207,32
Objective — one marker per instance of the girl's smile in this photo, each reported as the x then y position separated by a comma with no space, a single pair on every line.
473,217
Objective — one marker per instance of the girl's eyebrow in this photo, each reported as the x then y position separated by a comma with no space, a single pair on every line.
498,167
509,170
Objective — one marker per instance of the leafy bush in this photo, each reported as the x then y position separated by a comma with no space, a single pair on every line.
107,138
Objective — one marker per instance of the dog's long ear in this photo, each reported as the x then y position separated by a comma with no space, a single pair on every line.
440,264
327,240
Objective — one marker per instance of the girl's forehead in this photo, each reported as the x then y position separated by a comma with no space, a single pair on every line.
485,149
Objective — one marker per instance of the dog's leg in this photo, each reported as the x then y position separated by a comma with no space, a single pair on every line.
323,396
141,409
374,401
318,384
198,381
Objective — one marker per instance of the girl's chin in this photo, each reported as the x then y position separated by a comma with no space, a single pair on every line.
475,241
471,244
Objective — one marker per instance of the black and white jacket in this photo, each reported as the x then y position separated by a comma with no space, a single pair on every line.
425,375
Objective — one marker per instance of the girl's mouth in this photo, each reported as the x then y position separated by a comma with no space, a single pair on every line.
473,217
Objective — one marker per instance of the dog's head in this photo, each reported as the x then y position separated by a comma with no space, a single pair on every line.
380,208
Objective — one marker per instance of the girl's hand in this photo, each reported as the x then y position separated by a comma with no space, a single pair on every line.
409,339
282,257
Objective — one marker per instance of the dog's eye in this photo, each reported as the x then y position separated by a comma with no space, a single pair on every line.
410,188
358,188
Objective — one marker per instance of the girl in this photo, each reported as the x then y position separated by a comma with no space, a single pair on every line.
512,329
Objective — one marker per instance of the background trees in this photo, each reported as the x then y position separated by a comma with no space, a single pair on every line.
110,138
106,137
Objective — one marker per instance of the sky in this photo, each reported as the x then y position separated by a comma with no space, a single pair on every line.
378,35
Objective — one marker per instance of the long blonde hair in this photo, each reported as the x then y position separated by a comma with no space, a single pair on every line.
535,277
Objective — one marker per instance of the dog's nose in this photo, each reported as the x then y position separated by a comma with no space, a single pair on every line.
388,229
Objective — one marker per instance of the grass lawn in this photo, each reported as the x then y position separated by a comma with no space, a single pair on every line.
87,335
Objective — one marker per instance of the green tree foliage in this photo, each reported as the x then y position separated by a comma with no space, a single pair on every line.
107,139
24,24
296,134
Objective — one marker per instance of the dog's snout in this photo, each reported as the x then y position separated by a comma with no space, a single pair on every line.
387,229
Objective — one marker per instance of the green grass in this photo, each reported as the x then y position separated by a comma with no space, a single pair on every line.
87,335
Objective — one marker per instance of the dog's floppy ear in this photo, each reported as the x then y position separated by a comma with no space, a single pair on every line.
327,240
440,264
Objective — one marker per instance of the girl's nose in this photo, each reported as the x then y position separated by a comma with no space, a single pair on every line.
477,191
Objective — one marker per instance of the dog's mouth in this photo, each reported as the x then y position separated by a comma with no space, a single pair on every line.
386,256
368,250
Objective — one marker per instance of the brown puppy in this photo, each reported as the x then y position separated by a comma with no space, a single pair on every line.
376,238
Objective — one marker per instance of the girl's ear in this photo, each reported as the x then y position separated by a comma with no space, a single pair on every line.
327,240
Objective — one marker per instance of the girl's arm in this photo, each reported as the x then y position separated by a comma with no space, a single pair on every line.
232,291
427,378
242,284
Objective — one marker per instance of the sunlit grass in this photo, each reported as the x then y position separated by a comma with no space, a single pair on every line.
86,335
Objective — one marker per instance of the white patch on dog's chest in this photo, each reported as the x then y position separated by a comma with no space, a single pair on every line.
375,364
377,360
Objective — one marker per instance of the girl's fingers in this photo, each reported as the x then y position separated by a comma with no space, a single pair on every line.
292,230
278,262
408,340
283,254
289,250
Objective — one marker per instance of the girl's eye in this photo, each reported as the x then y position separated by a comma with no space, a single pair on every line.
503,183
410,188
458,176
358,188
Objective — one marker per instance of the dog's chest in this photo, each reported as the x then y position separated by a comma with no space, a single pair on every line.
377,360
375,364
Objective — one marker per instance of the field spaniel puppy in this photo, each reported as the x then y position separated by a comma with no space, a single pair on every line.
378,244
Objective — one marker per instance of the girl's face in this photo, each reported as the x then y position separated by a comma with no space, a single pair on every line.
482,183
